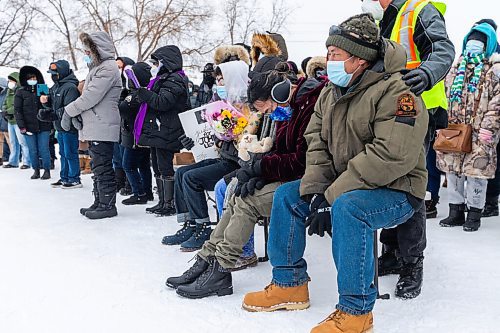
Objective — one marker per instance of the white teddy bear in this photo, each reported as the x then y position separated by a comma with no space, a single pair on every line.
249,143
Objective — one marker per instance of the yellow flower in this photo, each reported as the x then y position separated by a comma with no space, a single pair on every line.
226,114
237,130
242,122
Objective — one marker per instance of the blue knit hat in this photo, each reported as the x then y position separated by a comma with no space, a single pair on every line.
491,35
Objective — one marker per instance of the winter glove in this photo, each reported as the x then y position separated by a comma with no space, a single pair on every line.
77,122
417,80
320,219
46,115
254,158
186,142
144,95
246,173
66,122
248,188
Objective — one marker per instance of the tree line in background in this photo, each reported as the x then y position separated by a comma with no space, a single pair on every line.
140,25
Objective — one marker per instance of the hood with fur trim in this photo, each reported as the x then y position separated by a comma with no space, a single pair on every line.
315,64
270,45
226,53
99,44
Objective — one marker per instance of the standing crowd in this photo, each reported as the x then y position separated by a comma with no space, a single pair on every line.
355,139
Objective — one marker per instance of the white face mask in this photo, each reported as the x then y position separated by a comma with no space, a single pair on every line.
12,85
373,7
32,82
474,47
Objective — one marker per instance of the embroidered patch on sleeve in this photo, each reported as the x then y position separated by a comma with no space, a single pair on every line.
406,106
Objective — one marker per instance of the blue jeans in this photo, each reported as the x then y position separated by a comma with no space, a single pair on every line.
70,163
137,167
38,145
18,144
118,156
434,183
220,194
355,215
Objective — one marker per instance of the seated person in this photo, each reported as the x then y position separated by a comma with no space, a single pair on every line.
257,181
365,171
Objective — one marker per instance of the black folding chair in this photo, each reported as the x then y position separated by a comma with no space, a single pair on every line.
375,254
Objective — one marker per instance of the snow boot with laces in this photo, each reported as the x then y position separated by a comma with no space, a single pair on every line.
215,280
473,221
199,237
343,322
411,278
274,298
182,235
190,275
456,217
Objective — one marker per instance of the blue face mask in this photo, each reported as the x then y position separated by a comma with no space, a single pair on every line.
281,113
32,82
474,47
221,92
87,59
337,74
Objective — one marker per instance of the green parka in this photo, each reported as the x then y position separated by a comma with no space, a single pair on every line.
370,137
8,106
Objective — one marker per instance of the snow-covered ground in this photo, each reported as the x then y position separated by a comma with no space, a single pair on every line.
60,272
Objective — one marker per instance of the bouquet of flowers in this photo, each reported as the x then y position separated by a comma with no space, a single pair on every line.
226,121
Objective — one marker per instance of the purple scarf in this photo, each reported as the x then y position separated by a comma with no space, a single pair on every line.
141,115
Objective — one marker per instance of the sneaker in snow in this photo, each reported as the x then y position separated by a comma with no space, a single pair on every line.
69,186
57,184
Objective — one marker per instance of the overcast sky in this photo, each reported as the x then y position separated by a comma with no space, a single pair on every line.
308,27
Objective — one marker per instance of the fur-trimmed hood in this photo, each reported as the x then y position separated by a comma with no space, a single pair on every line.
315,64
227,53
495,58
269,44
23,75
99,44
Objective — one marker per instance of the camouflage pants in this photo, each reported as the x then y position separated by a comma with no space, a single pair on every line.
474,194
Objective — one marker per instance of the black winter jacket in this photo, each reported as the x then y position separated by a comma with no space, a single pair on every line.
168,97
27,103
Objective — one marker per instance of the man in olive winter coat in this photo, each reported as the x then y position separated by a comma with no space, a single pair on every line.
98,107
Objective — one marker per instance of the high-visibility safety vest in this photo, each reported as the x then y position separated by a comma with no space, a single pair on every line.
402,33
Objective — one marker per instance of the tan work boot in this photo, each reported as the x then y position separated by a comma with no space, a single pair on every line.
341,322
274,298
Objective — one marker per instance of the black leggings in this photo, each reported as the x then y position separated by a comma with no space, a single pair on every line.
163,162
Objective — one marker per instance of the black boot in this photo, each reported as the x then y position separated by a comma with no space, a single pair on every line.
215,280
411,278
106,207
182,235
431,209
159,205
388,262
473,221
456,217
168,198
136,200
190,275
36,174
149,195
491,207
46,175
95,192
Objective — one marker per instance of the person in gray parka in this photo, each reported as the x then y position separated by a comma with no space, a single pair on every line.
98,107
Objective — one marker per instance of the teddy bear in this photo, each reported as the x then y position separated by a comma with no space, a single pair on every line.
249,143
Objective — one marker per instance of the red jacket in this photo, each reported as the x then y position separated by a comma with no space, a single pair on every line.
287,159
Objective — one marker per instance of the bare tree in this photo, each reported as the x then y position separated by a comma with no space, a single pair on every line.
16,18
241,19
106,15
280,13
63,22
173,20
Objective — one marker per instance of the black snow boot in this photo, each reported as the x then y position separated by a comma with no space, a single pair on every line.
188,276
182,235
491,207
36,174
95,192
46,175
159,205
411,278
215,280
389,262
473,221
431,208
106,207
136,200
456,217
168,198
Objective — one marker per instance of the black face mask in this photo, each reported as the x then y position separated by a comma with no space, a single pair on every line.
209,79
55,77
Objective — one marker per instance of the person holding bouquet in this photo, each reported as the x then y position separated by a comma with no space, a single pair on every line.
192,181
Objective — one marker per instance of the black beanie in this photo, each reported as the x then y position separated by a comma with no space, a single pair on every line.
478,35
488,21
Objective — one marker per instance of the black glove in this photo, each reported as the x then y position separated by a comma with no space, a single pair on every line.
418,80
143,94
248,188
320,219
254,158
77,122
246,173
46,115
66,122
186,142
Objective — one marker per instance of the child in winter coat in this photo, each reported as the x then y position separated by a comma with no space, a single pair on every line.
475,89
